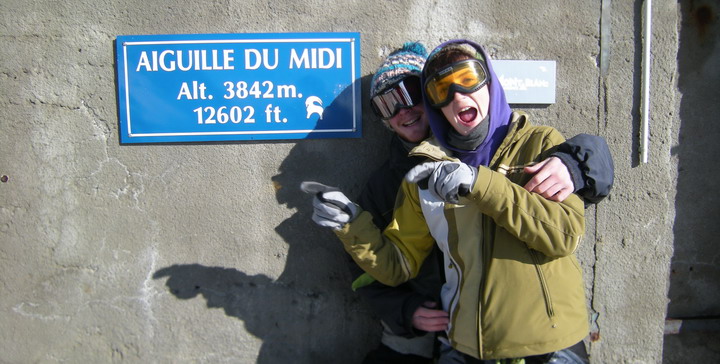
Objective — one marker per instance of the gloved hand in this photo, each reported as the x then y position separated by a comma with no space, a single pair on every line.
331,208
445,180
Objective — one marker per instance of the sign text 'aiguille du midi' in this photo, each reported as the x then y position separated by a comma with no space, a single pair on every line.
224,87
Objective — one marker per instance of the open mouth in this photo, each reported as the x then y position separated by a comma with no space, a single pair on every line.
411,122
468,114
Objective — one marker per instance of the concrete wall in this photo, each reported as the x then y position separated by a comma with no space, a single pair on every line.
695,273
206,252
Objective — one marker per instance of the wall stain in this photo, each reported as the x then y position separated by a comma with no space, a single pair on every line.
703,17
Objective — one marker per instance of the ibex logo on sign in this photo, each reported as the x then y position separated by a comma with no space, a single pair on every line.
313,104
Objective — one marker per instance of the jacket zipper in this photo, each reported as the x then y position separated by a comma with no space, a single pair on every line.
486,251
543,283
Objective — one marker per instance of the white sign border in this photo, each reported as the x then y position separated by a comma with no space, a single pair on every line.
353,77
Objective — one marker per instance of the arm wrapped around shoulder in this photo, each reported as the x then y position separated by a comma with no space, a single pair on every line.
590,164
552,228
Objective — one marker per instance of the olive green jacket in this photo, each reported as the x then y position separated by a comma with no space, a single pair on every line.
513,285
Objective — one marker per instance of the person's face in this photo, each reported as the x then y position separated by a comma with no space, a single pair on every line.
410,124
466,111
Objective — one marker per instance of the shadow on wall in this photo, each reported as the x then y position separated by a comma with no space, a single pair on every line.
695,272
308,314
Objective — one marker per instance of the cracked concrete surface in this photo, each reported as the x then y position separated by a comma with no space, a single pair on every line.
205,252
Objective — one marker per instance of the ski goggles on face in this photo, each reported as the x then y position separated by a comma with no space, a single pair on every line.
465,76
404,94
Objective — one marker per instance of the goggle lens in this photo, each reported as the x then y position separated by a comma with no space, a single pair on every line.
464,76
404,94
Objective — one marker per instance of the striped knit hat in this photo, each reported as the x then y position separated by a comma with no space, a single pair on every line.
406,61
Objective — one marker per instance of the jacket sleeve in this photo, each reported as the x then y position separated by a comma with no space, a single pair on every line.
394,256
590,164
378,196
394,305
552,228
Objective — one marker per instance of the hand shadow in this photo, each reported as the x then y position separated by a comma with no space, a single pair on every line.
271,310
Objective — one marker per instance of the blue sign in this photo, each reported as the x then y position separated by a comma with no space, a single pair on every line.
221,87
527,82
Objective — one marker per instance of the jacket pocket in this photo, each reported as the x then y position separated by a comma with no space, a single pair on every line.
543,283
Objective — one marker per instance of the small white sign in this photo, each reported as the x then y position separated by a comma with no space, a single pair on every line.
527,82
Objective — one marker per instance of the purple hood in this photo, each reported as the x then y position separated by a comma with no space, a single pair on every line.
499,116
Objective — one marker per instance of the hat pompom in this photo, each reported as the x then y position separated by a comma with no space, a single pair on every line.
414,47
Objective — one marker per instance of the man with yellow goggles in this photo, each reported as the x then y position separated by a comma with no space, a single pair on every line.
465,76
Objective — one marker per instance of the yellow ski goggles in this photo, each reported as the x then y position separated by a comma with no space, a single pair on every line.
465,76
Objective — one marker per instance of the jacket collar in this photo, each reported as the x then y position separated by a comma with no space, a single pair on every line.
518,126
432,149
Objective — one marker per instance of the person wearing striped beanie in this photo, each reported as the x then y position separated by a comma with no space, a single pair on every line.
395,93
409,313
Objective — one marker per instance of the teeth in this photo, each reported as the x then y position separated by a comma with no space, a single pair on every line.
465,109
411,122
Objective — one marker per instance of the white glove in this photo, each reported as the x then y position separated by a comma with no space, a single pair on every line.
445,180
331,208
